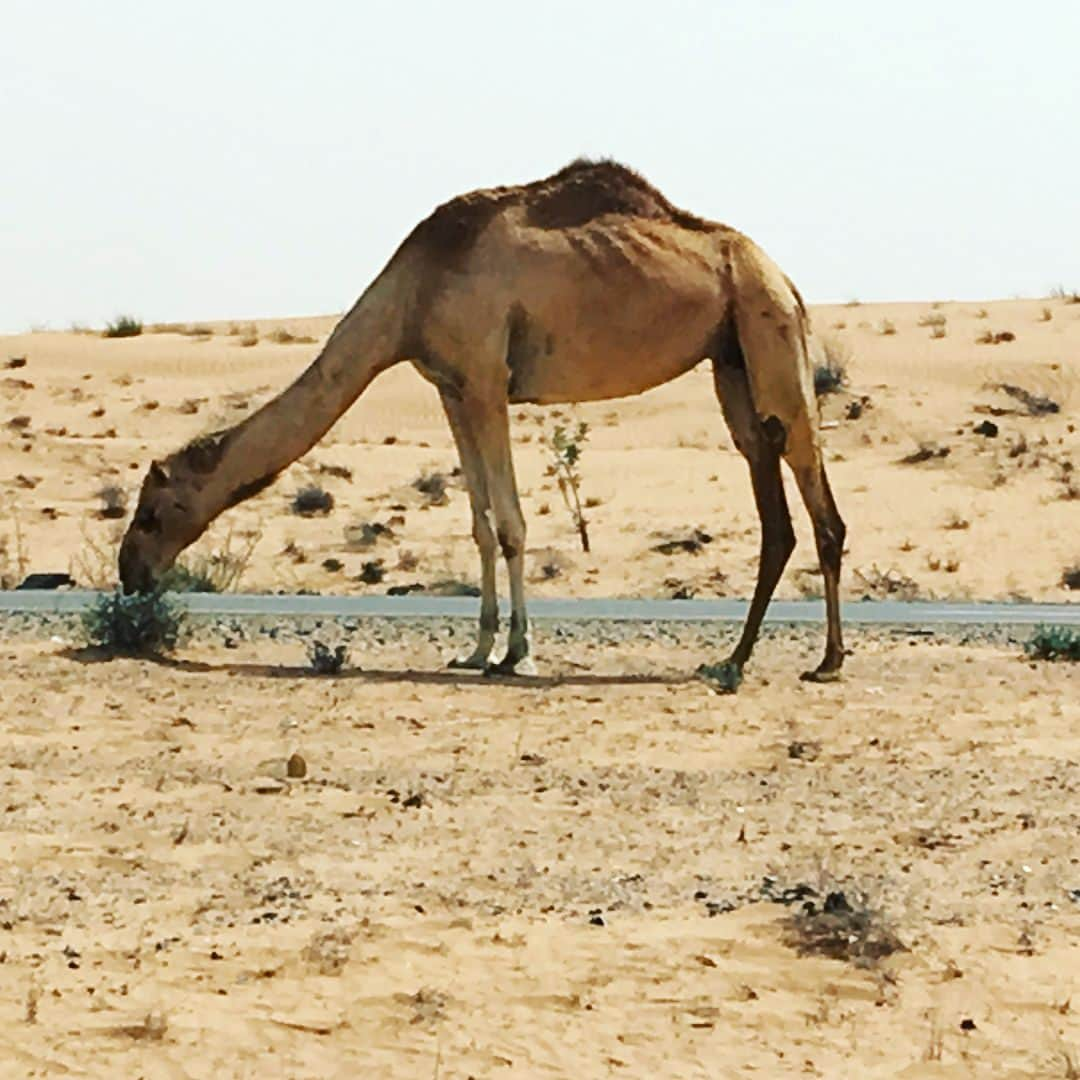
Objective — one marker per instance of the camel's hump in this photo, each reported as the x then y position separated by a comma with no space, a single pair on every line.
574,196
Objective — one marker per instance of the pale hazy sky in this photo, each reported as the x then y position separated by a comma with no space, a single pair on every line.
232,159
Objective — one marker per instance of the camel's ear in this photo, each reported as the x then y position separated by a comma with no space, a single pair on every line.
157,475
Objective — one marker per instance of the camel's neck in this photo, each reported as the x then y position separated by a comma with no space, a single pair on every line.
363,344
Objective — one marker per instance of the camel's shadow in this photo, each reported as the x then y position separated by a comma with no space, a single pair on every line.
377,676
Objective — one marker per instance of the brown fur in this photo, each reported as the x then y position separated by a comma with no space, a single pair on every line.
576,195
583,286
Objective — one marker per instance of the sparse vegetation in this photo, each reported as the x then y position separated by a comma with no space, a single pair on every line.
124,326
213,571
990,337
933,320
877,584
1070,578
312,501
1036,404
325,660
843,926
564,446
1054,643
113,502
281,336
372,572
432,485
926,451
1070,296
1046,315
886,327
145,624
831,374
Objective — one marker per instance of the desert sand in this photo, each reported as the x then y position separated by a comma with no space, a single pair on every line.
994,519
598,872
573,876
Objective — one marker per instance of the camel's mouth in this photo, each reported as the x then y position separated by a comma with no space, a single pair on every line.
135,575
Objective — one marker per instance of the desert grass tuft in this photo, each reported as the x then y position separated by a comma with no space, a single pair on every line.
124,326
145,624
1054,643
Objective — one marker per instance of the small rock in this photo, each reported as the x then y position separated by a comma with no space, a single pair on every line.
268,785
296,767
987,428
46,581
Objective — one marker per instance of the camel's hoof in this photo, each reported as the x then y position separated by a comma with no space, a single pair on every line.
468,663
508,666
725,678
821,676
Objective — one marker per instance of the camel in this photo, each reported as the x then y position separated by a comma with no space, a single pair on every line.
583,286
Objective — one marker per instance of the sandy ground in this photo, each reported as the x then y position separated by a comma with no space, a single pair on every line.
577,875
995,518
568,876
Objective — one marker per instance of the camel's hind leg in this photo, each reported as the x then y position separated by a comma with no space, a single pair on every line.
762,445
803,455
472,466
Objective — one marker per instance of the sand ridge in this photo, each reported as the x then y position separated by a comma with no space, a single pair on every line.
993,519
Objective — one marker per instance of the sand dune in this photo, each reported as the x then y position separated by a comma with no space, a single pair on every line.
993,519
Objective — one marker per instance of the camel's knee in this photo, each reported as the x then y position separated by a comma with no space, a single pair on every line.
512,540
511,534
484,533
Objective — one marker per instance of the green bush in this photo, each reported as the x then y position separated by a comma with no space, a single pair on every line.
125,326
145,624
325,660
1054,643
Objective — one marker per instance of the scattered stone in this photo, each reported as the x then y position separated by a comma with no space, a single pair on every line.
328,952
269,785
404,590
46,581
927,451
799,750
372,572
987,428
15,362
687,545
296,767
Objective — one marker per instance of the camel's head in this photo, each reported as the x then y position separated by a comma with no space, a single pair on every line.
165,522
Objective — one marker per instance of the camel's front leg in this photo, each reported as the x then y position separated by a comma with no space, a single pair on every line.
488,419
483,533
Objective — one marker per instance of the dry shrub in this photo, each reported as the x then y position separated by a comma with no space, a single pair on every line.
842,927
831,373
312,500
145,624
124,326
891,584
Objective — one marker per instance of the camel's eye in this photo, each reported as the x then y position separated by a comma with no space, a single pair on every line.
147,521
